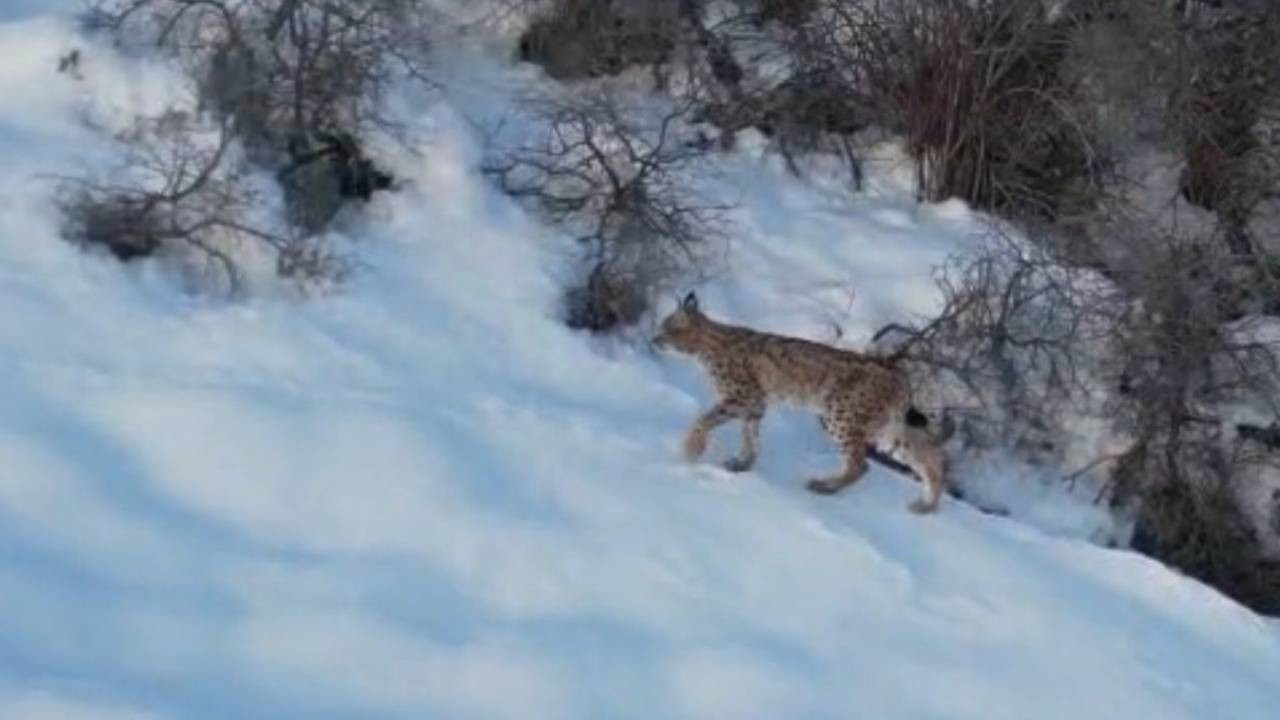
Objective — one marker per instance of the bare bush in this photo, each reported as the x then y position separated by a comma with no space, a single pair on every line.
286,69
589,38
750,67
1198,80
291,76
1017,341
620,182
184,194
791,13
1183,358
317,183
1200,529
802,113
1151,343
976,90
604,301
1232,88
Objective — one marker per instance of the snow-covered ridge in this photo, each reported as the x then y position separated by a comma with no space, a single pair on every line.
423,497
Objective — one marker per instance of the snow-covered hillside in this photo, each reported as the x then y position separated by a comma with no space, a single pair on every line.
424,497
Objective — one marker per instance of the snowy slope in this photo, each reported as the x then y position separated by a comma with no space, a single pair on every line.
423,497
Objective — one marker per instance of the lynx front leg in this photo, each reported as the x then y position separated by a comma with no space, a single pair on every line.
695,442
749,411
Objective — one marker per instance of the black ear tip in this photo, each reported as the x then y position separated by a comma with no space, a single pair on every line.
690,301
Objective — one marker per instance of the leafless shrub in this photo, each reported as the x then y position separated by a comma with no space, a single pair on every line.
1152,342
804,112
589,38
1184,355
1200,529
620,182
317,183
184,194
285,69
974,88
604,301
791,13
741,69
291,75
1199,80
1232,87
1015,341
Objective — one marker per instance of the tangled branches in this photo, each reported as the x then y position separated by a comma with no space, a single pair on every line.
622,185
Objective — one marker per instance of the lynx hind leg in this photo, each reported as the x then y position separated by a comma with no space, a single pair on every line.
846,427
746,457
926,460
855,466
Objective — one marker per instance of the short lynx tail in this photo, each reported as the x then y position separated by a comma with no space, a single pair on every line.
916,419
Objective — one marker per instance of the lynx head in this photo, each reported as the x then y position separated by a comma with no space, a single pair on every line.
681,329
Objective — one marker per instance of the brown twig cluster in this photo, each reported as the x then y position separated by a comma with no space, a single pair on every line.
180,192
620,183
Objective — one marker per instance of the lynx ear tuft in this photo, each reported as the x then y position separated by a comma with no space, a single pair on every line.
690,301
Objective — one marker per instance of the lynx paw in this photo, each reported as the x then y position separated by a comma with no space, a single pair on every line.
694,446
922,507
823,487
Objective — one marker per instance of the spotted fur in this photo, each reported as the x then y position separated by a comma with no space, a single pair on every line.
862,401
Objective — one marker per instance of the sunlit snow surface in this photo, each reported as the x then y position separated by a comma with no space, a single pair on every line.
422,497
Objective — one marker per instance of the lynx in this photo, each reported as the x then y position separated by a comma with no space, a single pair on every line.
862,400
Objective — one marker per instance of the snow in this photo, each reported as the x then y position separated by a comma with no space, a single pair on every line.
1001,484
423,497
46,706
